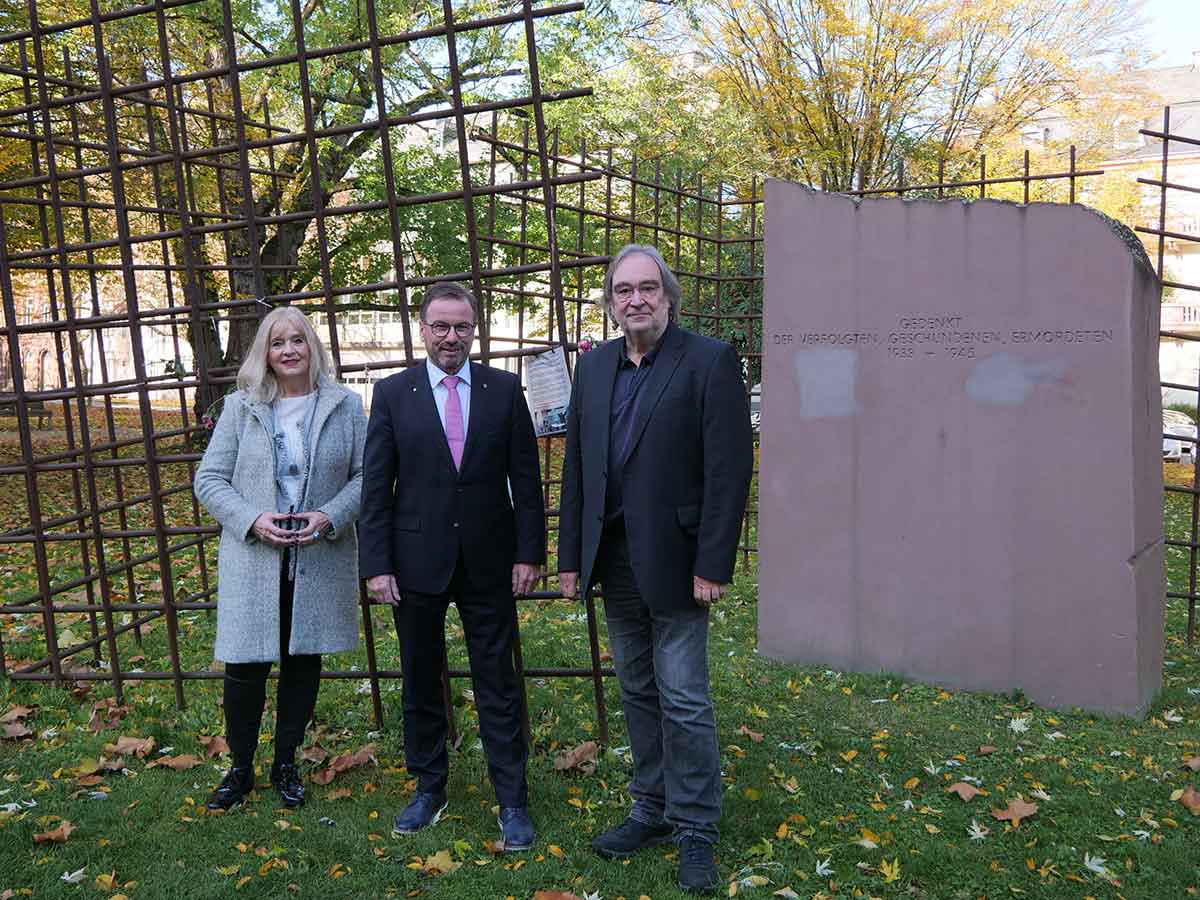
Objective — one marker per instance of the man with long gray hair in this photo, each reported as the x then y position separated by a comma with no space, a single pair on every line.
657,470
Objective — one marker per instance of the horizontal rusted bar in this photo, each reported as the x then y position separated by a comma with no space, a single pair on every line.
1173,235
1012,179
1167,136
391,674
52,537
1195,189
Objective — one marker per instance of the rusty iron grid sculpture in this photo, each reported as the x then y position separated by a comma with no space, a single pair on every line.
92,217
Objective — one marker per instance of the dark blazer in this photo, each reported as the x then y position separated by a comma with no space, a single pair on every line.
687,475
418,512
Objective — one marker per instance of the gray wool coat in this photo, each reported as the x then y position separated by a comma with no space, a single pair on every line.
236,484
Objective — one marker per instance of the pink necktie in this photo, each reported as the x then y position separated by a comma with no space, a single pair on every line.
454,420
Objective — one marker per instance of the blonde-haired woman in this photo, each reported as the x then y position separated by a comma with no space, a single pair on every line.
283,476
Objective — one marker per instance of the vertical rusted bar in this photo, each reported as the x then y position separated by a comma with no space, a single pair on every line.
364,603
548,191
941,177
464,164
32,499
982,175
135,339
1072,170
52,296
109,416
1025,181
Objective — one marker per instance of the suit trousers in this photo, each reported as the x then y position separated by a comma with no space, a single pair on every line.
661,660
245,690
490,623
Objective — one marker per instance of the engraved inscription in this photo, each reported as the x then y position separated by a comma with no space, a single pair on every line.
945,337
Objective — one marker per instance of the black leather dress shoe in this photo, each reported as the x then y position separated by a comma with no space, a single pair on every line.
629,837
285,778
237,783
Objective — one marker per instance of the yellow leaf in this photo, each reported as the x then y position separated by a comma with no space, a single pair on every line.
228,870
891,871
752,794
782,831
758,880
283,824
556,850
912,783
241,882
933,829
849,755
106,881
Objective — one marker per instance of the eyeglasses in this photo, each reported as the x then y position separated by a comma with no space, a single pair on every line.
647,289
461,329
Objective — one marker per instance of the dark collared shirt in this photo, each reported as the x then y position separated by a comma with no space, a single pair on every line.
628,389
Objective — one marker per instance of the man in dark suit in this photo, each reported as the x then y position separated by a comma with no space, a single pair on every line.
446,442
657,470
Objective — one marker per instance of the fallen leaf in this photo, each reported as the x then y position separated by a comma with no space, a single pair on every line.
964,790
178,763
891,871
15,731
15,714
314,754
361,757
1192,763
1191,799
556,851
323,777
213,746
553,895
339,793
755,736
107,881
58,836
912,783
1017,810
139,747
439,863
581,758
986,750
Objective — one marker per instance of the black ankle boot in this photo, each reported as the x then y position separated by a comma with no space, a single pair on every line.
286,779
237,783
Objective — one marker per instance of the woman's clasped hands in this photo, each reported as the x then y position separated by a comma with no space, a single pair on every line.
289,530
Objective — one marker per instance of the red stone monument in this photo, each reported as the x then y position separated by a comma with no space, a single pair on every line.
961,475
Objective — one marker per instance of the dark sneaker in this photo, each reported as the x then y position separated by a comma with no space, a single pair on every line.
285,778
237,783
697,871
516,828
629,837
422,811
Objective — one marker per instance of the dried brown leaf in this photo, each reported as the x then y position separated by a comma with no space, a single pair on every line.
965,790
15,731
755,736
986,750
1191,799
16,714
58,836
179,763
213,746
581,758
554,895
139,747
324,776
1017,810
314,754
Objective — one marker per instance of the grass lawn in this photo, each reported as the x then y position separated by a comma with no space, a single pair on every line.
835,785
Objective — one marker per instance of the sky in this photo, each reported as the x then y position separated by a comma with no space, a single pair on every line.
1173,28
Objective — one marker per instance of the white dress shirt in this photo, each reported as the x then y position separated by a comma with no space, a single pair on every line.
441,392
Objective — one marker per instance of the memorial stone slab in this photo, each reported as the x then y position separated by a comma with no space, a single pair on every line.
961,475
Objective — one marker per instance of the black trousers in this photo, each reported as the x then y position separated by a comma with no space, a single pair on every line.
490,622
296,691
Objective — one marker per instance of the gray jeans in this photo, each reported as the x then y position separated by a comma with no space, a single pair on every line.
662,666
